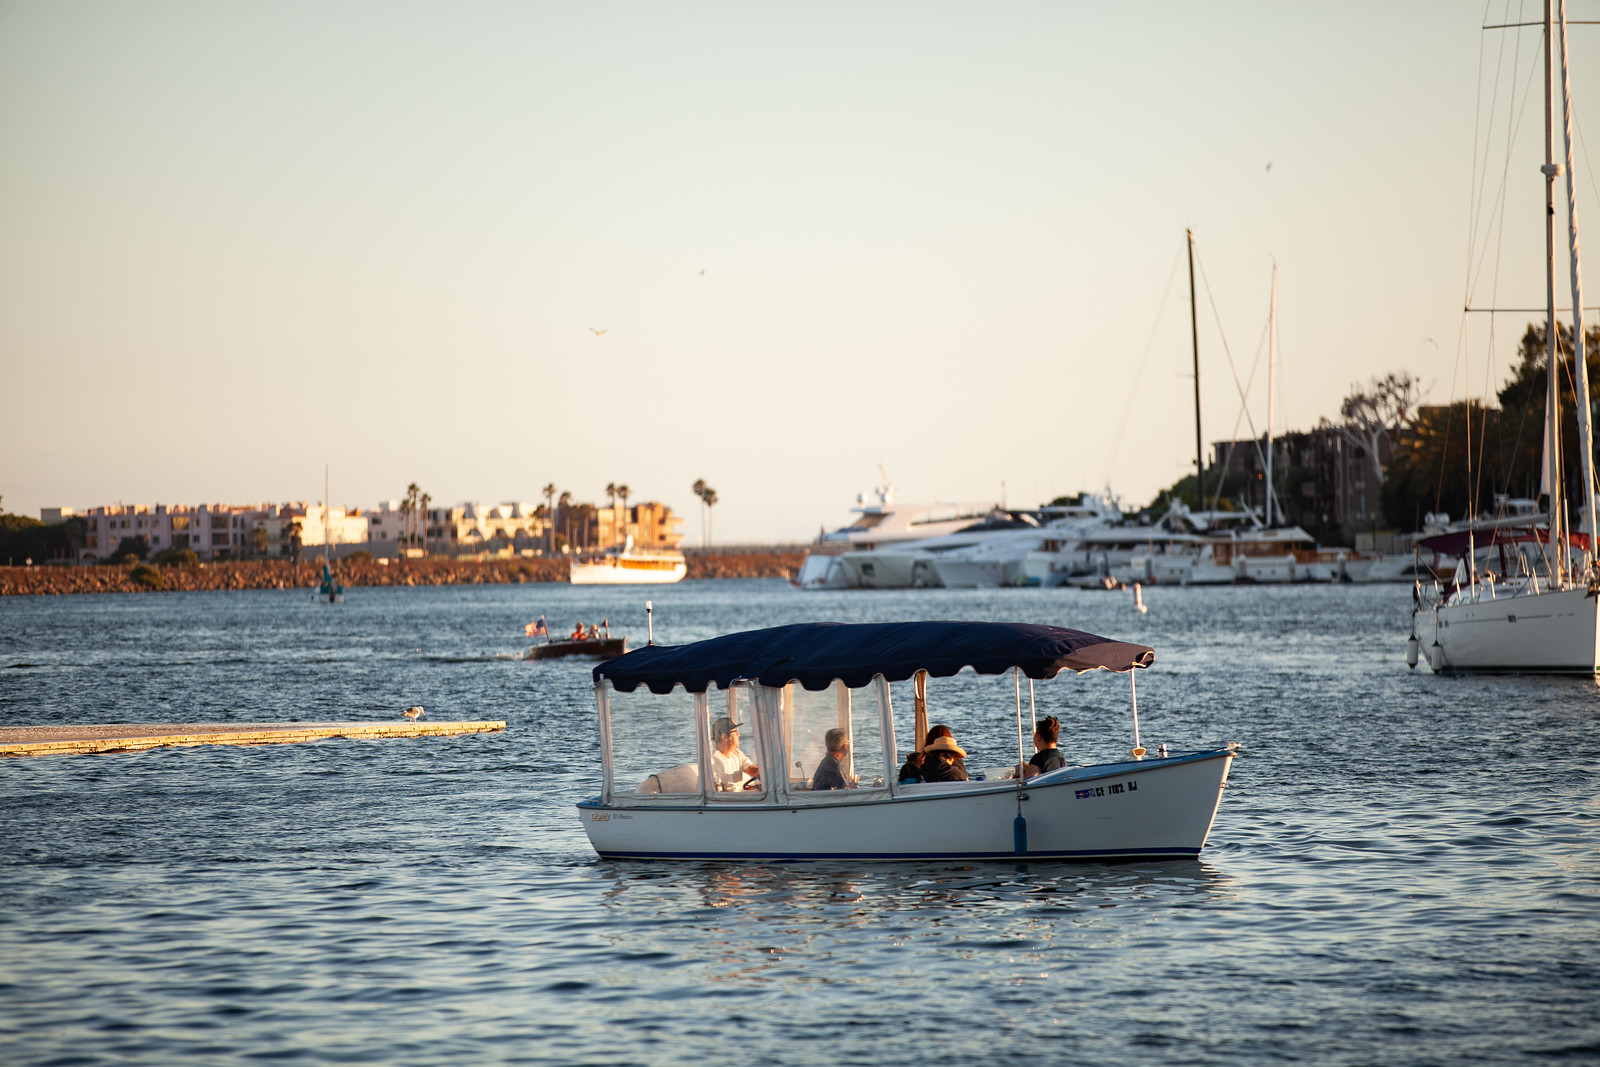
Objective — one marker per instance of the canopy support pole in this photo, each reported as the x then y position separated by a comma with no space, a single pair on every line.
1033,710
1016,679
919,693
1133,688
1019,825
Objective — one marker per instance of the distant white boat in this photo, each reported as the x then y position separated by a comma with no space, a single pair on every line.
628,565
867,553
807,709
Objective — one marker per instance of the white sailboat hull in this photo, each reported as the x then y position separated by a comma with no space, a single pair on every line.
1544,633
1153,808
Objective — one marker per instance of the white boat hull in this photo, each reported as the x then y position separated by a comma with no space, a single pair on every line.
628,572
1544,633
1153,808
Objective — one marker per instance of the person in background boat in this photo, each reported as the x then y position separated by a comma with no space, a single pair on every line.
731,769
1046,756
912,769
577,633
594,633
942,759
830,772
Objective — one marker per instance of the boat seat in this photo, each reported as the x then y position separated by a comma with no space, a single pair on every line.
684,778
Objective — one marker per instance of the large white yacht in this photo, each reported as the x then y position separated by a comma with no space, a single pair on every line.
876,549
1023,557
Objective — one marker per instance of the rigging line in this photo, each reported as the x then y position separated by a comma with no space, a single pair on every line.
1588,166
1449,411
1500,196
1149,346
1231,368
1494,287
1520,25
1475,180
1234,435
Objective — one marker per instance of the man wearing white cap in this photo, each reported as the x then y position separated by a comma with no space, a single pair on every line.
730,767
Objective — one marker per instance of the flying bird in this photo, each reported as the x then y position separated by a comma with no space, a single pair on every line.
702,273
414,713
1431,341
1269,167
596,332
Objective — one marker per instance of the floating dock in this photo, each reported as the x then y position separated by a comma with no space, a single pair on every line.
131,737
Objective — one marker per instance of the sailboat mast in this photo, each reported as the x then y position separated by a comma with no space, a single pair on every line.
1272,360
325,524
1552,336
1194,335
1580,368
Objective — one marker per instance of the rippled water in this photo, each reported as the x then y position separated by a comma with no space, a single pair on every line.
1404,868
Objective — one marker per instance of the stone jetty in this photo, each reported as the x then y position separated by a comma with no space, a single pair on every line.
353,573
131,737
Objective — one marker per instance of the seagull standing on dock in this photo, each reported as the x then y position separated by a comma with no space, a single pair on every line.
414,713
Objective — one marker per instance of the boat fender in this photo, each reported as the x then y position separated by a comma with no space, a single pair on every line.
1436,658
1019,835
1412,647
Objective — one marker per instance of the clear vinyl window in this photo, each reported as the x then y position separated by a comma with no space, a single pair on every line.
653,743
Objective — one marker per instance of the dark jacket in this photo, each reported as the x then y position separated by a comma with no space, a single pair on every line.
1047,759
829,774
912,770
940,766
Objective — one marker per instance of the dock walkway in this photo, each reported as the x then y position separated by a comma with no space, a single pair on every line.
130,737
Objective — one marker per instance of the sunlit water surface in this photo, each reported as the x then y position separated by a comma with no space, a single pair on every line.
1403,869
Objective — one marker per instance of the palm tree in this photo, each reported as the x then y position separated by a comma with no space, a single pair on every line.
711,501
611,491
564,502
622,534
699,489
412,493
549,493
258,539
425,500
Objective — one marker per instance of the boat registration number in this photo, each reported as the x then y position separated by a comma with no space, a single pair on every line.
1106,790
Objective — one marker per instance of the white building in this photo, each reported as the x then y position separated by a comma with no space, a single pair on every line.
212,529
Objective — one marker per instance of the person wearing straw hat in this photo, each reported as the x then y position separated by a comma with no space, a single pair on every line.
942,759
731,769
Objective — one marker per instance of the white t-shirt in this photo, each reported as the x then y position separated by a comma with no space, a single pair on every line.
727,772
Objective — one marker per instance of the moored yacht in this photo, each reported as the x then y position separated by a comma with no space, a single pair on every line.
887,524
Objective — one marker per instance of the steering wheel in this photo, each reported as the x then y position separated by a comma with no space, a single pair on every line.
753,783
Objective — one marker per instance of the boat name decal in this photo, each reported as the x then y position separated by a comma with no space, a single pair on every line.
1105,790
599,816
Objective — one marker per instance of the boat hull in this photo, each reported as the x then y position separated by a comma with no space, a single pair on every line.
1153,808
1544,633
623,571
603,648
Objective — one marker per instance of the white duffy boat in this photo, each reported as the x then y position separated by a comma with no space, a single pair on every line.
793,692
629,566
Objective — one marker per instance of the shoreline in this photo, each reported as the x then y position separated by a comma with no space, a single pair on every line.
281,574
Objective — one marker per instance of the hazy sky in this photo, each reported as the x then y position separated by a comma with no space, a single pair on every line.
242,240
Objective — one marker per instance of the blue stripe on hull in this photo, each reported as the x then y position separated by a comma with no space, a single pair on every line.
786,857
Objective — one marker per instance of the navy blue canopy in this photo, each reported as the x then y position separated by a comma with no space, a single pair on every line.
816,653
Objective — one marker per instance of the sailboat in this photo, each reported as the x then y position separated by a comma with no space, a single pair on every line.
330,590
1538,612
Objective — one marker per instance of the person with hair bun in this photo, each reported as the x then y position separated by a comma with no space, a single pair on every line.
1046,756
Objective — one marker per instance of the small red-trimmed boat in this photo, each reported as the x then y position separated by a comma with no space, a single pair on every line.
672,790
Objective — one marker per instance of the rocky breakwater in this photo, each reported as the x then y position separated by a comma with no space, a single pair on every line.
281,574
775,564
